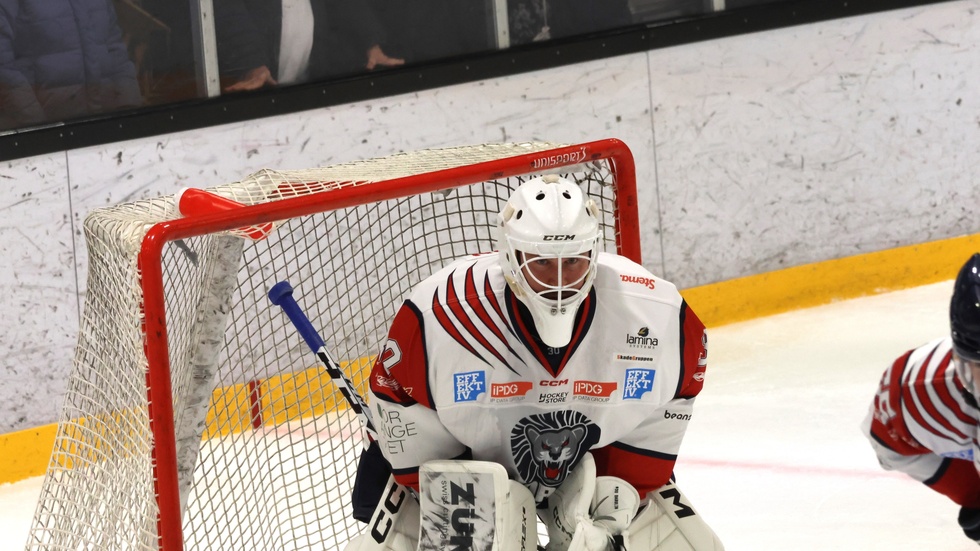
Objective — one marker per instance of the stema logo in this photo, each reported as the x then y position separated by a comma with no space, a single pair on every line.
642,339
647,282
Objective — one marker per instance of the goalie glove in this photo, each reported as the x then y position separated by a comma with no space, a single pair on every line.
669,523
587,513
969,521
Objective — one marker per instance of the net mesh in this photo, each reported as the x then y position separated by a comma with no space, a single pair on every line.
266,445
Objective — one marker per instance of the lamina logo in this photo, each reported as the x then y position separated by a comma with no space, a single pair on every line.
647,282
642,339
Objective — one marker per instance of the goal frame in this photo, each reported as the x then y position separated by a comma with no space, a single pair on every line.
150,256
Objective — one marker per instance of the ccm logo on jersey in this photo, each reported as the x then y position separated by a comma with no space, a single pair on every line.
562,382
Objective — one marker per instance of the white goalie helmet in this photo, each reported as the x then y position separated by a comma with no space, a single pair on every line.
549,229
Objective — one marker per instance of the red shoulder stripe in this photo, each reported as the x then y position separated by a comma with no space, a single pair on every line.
448,326
918,393
945,393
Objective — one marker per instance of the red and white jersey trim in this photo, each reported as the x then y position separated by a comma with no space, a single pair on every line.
920,405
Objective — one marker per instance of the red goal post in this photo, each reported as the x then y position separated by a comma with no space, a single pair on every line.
193,418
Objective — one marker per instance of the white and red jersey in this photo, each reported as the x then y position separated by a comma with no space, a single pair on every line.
463,375
923,405
924,420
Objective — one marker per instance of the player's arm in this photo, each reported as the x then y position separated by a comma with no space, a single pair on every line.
409,430
646,457
896,447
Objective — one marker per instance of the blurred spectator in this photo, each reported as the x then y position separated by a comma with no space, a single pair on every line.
158,35
534,20
60,60
269,42
423,30
666,10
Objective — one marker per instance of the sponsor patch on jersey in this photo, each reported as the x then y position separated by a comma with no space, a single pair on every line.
672,415
593,391
469,385
638,382
962,454
515,391
634,358
642,339
552,398
647,282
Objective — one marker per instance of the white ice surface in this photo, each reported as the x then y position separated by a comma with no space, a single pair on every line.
774,458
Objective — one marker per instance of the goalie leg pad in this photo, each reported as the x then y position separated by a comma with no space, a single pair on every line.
394,526
465,504
670,523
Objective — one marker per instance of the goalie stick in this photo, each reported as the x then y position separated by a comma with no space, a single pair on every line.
394,500
281,294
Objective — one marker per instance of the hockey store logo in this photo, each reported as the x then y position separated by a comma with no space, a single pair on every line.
553,397
468,386
642,339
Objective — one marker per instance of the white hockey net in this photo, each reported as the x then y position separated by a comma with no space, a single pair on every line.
265,446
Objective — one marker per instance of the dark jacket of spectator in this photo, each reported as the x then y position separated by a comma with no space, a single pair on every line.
61,59
249,33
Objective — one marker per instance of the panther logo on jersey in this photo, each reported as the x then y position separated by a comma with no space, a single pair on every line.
547,446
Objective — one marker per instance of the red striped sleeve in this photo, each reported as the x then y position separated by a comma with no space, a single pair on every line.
400,373
928,405
911,399
948,382
888,424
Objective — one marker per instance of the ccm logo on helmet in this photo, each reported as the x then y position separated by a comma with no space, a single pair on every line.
559,237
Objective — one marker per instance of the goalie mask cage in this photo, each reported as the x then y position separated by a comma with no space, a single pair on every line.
195,417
